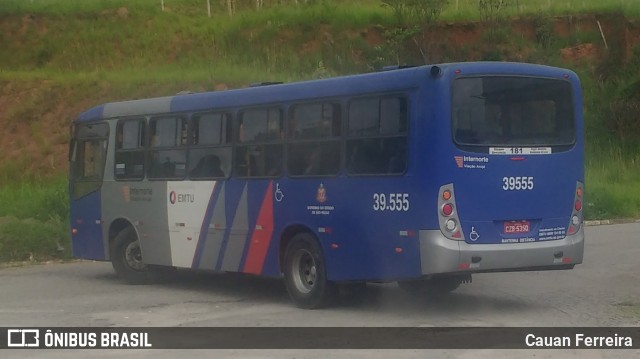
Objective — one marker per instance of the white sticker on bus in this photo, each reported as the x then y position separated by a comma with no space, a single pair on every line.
520,150
187,204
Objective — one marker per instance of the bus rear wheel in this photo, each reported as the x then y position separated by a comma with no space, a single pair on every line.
126,258
305,273
432,286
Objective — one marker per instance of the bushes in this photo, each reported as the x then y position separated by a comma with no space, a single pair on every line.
624,120
623,102
34,221
29,239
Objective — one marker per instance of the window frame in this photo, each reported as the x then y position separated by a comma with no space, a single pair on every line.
484,148
238,122
406,134
182,147
142,147
339,138
230,131
79,140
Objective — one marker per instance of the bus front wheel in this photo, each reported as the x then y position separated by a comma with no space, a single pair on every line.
305,273
126,258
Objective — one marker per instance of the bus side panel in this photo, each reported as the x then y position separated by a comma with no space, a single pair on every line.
237,227
358,242
86,219
260,239
142,204
212,231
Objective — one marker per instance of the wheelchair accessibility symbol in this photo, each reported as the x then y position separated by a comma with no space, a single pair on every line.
278,194
474,235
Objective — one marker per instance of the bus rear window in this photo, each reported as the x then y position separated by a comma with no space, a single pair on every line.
512,111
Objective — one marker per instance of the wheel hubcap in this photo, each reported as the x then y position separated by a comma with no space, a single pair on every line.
133,256
304,271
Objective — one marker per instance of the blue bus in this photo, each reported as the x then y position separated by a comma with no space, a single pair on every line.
421,175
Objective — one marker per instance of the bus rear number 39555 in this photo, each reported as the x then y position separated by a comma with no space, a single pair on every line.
391,202
517,183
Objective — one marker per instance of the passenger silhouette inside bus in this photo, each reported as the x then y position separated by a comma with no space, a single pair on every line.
208,166
313,161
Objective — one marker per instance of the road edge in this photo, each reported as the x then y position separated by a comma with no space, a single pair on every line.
604,222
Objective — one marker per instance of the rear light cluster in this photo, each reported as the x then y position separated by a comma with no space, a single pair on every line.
576,213
447,213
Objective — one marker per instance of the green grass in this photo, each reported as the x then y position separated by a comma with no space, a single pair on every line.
266,40
183,37
456,9
32,240
34,221
612,185
468,9
42,201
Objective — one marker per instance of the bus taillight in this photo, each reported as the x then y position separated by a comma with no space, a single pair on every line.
447,209
576,213
451,225
447,215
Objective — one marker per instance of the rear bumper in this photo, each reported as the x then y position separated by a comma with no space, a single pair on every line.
440,255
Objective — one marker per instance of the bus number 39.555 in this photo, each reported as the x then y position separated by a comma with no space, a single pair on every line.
396,202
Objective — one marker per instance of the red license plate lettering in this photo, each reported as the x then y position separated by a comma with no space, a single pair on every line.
517,227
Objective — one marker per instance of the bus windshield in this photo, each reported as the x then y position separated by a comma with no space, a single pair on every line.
512,111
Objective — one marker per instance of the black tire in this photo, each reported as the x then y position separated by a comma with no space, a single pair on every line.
126,258
433,286
305,273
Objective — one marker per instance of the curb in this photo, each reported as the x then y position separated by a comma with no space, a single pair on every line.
604,222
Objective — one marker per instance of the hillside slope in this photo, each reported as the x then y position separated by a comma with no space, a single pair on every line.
56,65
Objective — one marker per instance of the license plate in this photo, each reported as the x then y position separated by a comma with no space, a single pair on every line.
517,227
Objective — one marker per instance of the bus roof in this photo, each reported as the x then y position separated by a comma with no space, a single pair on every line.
332,87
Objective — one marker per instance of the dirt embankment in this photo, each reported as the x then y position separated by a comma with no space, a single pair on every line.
35,114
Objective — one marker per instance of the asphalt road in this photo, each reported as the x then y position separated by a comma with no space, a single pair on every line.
603,291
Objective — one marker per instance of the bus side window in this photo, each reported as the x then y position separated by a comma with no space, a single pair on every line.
259,147
130,151
314,148
365,157
210,153
377,130
208,166
168,154
397,155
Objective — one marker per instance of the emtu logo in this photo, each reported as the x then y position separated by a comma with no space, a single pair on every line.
181,197
459,161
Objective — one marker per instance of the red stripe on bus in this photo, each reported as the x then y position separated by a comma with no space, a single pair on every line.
259,244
